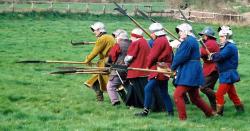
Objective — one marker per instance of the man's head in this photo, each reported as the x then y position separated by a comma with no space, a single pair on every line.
207,33
136,34
183,30
156,29
98,28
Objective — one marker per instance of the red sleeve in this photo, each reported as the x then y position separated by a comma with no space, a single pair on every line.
212,46
133,49
154,53
203,52
114,52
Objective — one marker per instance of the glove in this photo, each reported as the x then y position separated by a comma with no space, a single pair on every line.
175,44
210,56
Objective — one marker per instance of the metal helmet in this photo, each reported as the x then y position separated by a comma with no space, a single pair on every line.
122,35
184,28
157,29
98,26
137,32
117,32
226,32
208,31
225,29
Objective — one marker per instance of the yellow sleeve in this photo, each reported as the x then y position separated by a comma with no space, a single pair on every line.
99,46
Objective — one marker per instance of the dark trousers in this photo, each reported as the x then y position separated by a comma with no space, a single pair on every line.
195,99
208,88
162,87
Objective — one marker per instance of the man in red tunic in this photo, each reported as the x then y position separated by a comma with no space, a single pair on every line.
209,67
136,58
161,53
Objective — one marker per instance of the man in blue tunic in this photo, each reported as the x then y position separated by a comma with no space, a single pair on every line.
189,75
227,63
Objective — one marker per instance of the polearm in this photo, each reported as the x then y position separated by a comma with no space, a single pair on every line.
122,11
154,21
113,66
80,72
81,43
50,61
202,43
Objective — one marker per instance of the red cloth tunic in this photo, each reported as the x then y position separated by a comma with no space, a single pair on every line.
114,52
208,65
139,50
160,52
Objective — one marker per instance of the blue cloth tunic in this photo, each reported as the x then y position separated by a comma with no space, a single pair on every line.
187,64
227,63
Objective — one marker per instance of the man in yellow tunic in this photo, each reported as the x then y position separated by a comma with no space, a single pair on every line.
102,46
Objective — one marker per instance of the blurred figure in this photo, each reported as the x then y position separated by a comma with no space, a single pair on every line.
116,77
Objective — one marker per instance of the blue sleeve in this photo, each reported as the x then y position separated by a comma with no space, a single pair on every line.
151,42
182,55
223,54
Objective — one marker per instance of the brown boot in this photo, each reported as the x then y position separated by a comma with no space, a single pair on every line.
99,96
99,93
220,109
239,108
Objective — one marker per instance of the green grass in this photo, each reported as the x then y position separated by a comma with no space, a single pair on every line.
31,99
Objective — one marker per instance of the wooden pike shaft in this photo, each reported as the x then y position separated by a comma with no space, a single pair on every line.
137,24
202,43
154,21
102,73
149,70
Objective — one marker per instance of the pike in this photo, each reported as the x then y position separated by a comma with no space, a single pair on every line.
81,43
202,43
113,67
125,68
77,68
50,61
154,21
122,11
80,72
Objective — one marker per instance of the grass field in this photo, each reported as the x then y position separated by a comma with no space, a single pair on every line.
31,99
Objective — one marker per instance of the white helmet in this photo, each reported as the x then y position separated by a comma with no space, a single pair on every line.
98,26
225,31
137,32
122,35
157,29
117,32
184,28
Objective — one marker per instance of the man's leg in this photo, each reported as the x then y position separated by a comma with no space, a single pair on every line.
179,101
199,102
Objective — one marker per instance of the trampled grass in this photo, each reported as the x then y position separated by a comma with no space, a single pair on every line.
31,99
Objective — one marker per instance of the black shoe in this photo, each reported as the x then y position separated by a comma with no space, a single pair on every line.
239,109
144,113
117,103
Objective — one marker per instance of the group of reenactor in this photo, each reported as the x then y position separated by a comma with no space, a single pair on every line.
149,90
